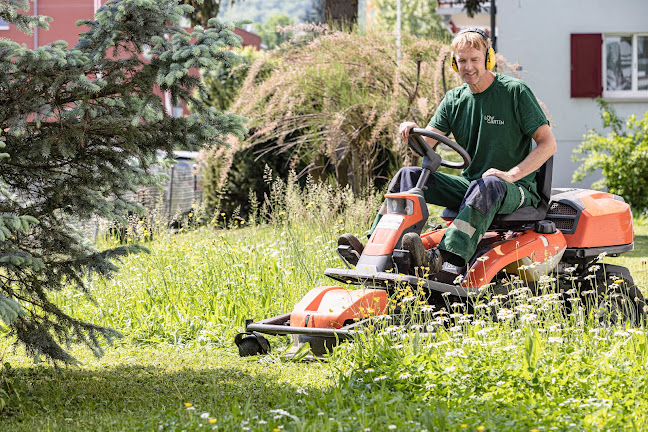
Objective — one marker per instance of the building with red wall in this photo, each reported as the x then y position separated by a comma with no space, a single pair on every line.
65,14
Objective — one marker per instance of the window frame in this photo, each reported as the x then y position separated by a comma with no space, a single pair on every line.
634,94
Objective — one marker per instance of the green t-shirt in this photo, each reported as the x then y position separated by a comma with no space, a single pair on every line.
494,126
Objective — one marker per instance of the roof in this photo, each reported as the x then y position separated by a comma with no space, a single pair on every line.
249,38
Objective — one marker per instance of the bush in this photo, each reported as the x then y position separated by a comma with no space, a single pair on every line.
621,155
225,80
243,185
230,172
336,102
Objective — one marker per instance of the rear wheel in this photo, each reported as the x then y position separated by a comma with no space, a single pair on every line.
617,300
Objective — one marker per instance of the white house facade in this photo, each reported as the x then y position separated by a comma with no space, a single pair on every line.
573,51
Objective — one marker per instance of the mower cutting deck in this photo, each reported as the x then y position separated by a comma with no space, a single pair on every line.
569,231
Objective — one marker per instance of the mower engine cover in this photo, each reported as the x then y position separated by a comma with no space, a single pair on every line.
589,218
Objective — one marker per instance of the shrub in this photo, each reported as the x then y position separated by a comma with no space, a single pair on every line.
335,102
230,173
233,193
621,155
225,80
330,108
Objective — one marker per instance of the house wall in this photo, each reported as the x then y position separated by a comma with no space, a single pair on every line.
65,13
537,35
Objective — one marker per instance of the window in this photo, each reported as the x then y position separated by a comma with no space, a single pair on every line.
4,25
625,61
177,111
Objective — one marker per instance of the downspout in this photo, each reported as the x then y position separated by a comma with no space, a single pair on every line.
493,25
171,190
36,27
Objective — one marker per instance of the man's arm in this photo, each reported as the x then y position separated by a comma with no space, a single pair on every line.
405,128
545,148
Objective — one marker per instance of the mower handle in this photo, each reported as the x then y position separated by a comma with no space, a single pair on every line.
421,148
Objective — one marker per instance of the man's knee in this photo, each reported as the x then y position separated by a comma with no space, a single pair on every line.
405,179
485,193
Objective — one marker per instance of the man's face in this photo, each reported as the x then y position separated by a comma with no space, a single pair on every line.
472,64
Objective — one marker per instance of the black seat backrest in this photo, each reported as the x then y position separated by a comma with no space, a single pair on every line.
530,214
525,215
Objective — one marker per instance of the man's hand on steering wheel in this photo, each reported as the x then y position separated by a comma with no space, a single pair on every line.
405,128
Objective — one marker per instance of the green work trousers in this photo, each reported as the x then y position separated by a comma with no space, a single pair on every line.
478,202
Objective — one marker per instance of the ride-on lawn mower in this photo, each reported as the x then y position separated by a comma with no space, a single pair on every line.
564,237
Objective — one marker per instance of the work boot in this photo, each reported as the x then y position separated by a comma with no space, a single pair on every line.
350,248
421,257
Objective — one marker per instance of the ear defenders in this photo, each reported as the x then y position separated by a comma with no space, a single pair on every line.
490,52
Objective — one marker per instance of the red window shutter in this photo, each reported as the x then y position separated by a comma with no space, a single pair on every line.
586,69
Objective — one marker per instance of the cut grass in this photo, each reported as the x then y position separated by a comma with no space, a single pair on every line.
146,388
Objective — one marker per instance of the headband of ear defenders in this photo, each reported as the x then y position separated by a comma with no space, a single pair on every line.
476,30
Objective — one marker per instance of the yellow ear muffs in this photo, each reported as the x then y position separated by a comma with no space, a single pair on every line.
490,60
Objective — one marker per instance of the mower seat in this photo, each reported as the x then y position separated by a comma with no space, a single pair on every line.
526,215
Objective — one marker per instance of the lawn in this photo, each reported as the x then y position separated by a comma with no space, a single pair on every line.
134,387
176,368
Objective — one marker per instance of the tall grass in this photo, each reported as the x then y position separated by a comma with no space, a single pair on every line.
534,369
202,284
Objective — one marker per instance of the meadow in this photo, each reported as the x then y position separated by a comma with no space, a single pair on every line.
176,367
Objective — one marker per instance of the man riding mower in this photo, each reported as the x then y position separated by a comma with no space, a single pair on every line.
525,244
504,219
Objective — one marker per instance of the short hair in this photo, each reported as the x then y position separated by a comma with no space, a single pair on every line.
471,39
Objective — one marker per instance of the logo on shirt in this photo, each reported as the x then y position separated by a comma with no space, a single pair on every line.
492,120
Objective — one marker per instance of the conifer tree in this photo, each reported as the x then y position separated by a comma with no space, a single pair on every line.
80,128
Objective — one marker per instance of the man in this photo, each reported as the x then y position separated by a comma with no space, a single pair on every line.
494,117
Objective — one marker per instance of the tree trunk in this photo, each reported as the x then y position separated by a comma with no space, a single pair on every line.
341,13
342,171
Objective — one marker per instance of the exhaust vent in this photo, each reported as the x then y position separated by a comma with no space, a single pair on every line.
557,208
564,216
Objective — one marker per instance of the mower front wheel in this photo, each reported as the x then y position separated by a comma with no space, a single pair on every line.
251,344
319,345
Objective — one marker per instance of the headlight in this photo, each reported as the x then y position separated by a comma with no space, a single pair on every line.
400,206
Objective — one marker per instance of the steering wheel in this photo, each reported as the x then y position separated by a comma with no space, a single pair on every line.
421,148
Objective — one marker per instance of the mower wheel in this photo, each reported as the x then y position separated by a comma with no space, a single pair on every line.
620,301
251,344
319,345
624,304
